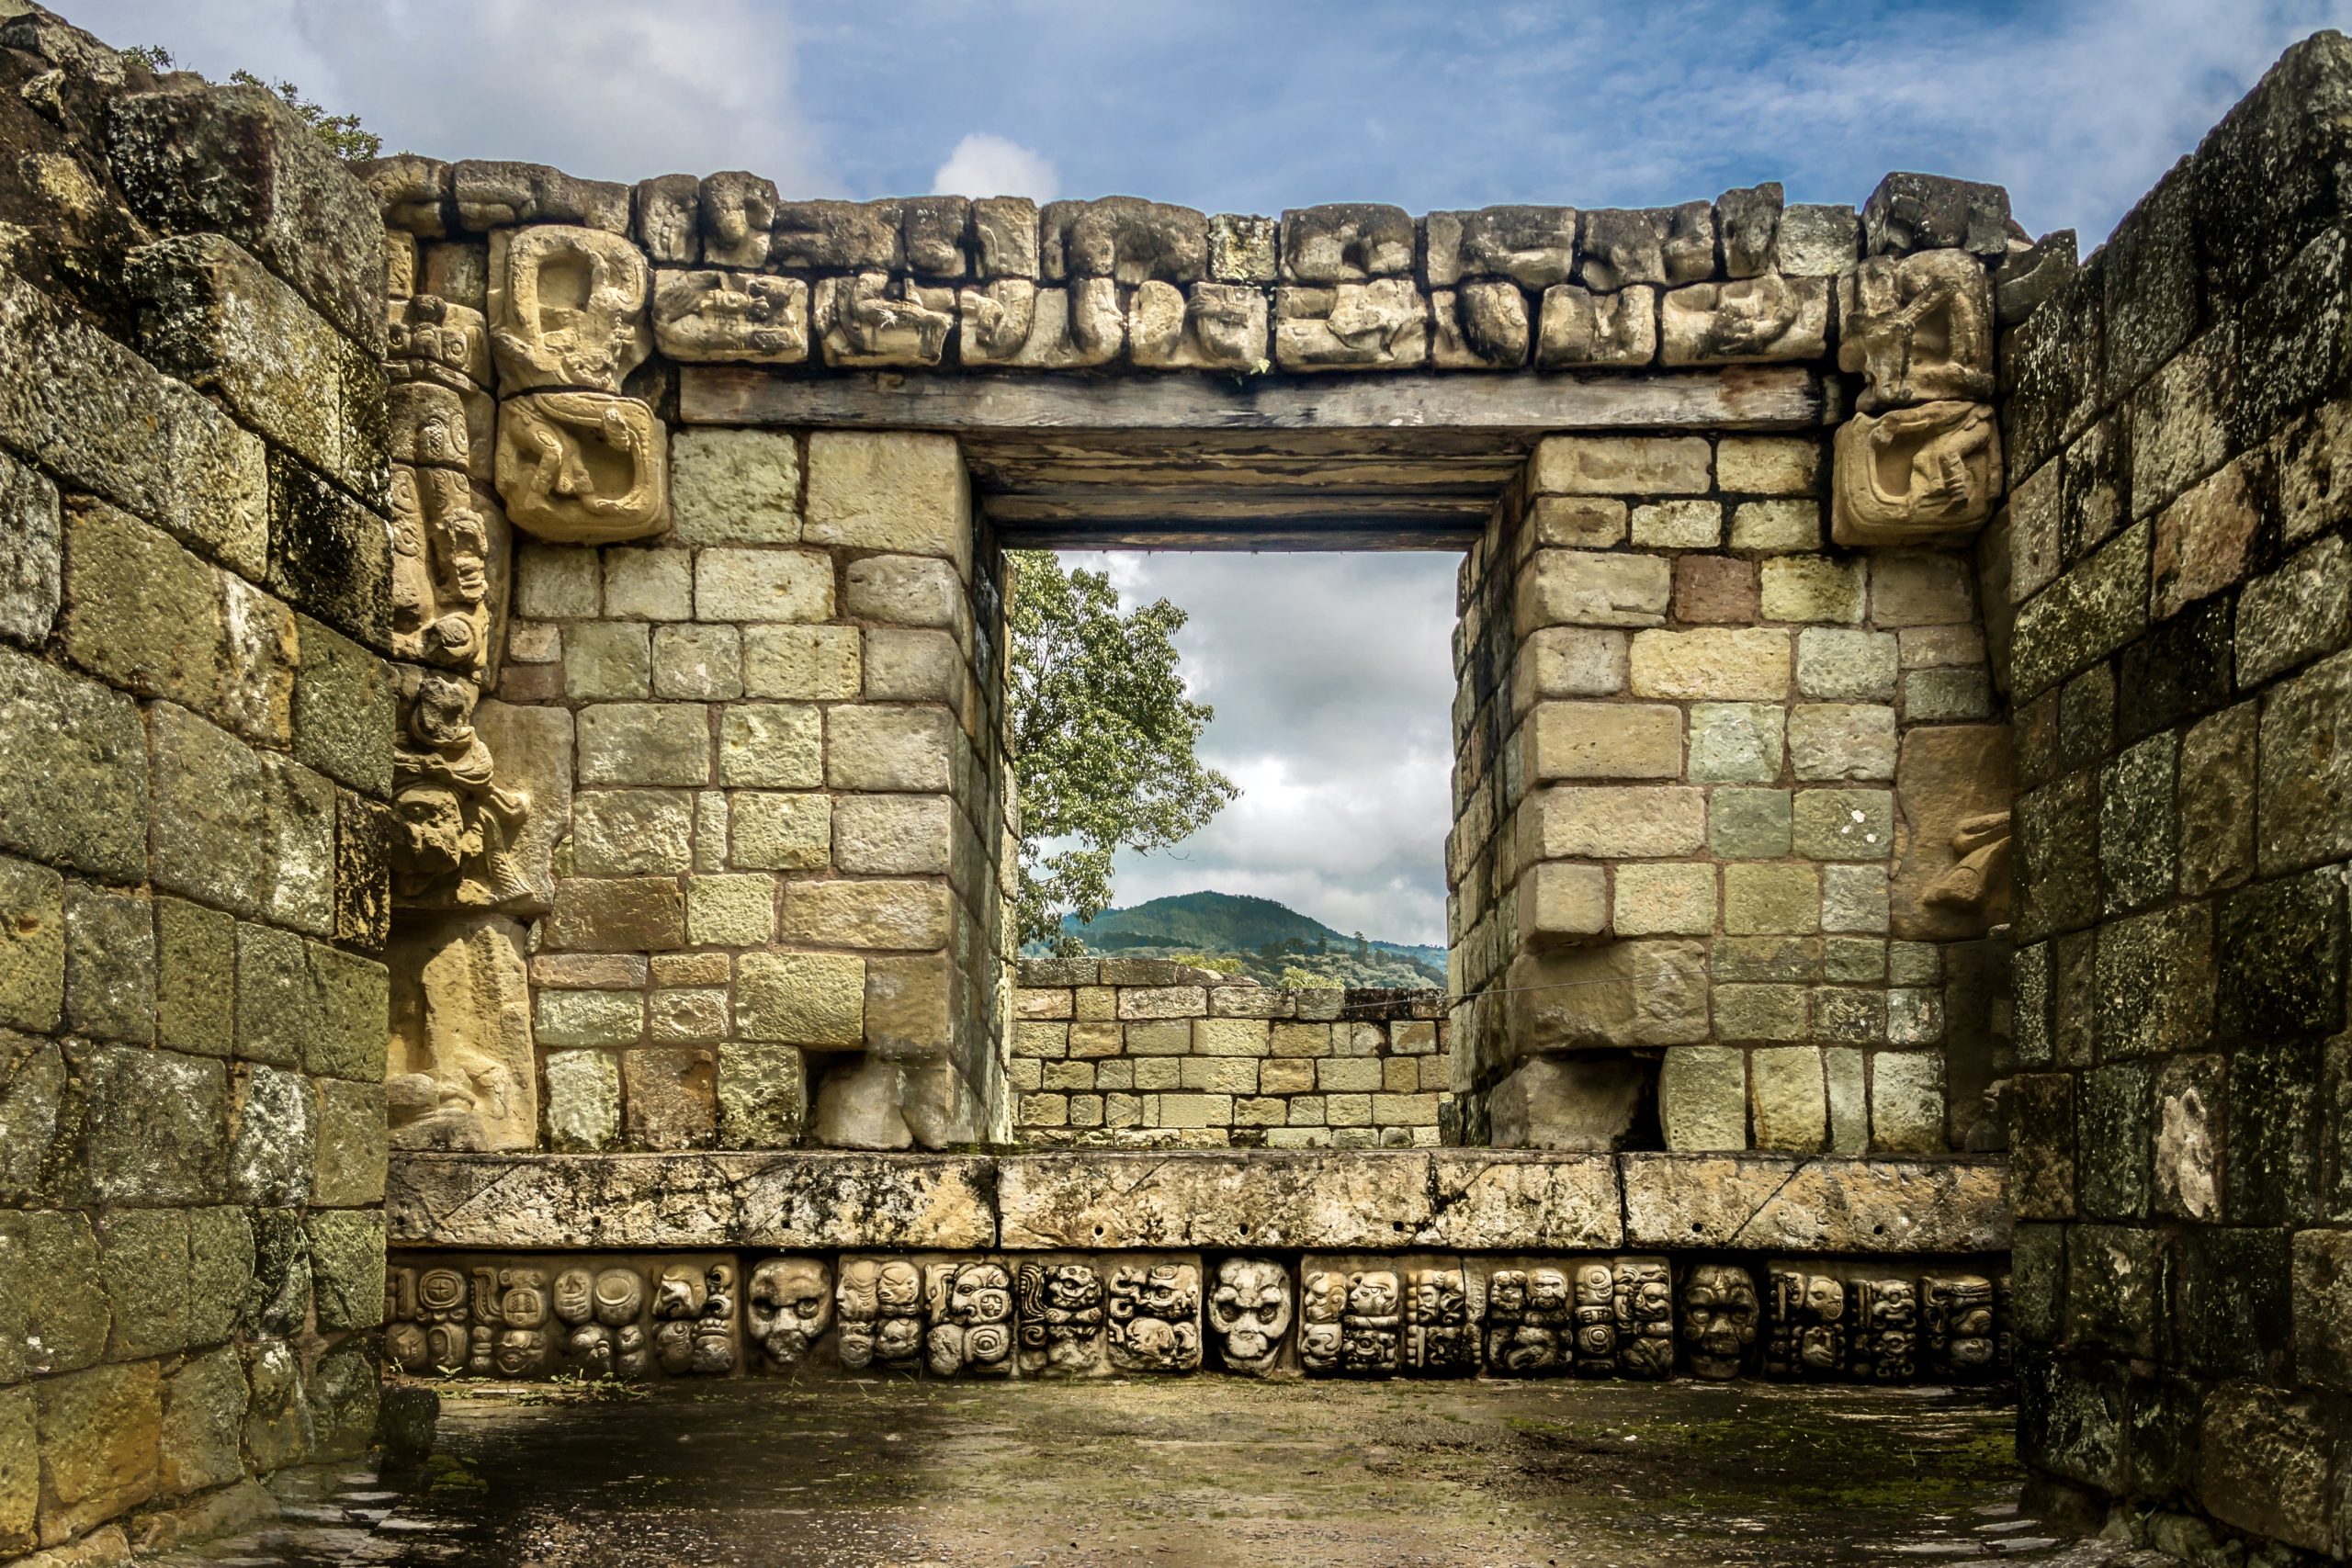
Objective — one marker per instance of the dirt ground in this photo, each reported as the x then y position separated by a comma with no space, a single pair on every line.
1183,1473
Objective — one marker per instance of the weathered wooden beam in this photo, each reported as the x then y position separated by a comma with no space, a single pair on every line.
1215,504
1384,406
1366,474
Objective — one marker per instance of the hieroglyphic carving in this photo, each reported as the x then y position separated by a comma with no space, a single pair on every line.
880,1305
1595,1345
1013,323
424,1319
600,1314
694,1313
971,1318
1959,1316
1351,1321
1154,1311
431,339
1351,326
788,1306
447,553
1719,1313
1919,328
873,318
583,468
567,308
453,822
1251,1310
1439,1341
1916,475
1805,1325
1753,321
1885,1329
1529,1328
1062,1318
1212,326
703,314
1645,1302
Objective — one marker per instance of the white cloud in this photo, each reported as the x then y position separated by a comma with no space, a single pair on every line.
984,165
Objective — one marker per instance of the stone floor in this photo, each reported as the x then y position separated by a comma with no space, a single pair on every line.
1208,1471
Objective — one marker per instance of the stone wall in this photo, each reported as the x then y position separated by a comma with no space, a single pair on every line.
195,758
1126,1053
2176,552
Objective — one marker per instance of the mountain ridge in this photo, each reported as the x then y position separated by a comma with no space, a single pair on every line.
1213,922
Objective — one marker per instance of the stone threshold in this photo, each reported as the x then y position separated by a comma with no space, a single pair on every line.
1468,1200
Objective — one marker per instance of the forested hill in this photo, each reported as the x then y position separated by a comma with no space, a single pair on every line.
1229,924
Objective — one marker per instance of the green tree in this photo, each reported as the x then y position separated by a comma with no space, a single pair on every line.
1103,739
343,133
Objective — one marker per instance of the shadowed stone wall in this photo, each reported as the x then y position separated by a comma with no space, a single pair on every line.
195,755
2176,556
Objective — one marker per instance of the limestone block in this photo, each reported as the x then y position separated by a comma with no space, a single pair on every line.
1714,662
1771,899
858,1107
1678,525
1919,475
1828,1205
1121,238
805,663
1736,742
1004,232
1533,246
1616,330
1604,823
1917,328
567,309
100,1445
1561,903
836,236
903,590
1788,1097
1587,740
705,316
462,1073
1844,824
1351,326
1702,1098
583,468
1588,587
696,1016
701,663
1715,589
495,195
1919,212
794,832
1847,665
1752,322
912,666
1812,588
1346,243
1479,325
1751,824
1569,661
889,748
889,916
1212,326
1013,323
1767,465
1241,248
762,1096
1952,843
1776,525
669,1098
1748,221
1655,245
1817,242
412,192
1842,740
1618,995
1907,1102
872,319
1665,899
73,780
736,910
771,745
1646,466
583,1104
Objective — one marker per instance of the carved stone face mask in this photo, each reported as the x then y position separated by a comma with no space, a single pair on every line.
1251,1309
1719,1313
790,1305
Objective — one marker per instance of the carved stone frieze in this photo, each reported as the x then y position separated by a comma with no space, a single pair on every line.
1923,475
1351,326
1346,243
738,212
789,1308
583,468
1122,238
1643,1297
567,308
1719,1319
1210,326
1580,328
1960,1321
1351,1318
970,1304
1530,1328
1153,1308
1004,236
1752,322
1480,325
874,319
1595,1298
451,550
1061,1314
1250,1311
835,236
1535,247
543,1316
1669,245
1016,324
1884,1313
878,1307
1440,1340
1917,328
694,1313
430,338
931,232
1748,221
705,315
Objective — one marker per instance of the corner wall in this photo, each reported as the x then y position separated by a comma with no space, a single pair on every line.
195,726
2177,559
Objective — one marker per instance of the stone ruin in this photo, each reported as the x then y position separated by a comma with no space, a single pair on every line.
507,815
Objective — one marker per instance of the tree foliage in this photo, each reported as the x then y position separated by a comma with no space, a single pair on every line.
1103,738
343,133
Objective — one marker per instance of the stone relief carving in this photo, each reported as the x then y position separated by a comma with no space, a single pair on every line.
694,1313
879,1307
1652,244
1351,1322
583,468
1062,1318
1250,1311
433,339
1439,1341
459,1072
789,1307
1004,235
540,1316
1595,1347
971,1319
1214,326
706,315
1014,323
1481,325
1751,321
1921,475
1346,243
1122,238
1919,328
454,826
738,212
1616,331
451,550
1645,1302
872,319
1154,1314
1980,846
836,236
602,1317
1351,326
1805,1325
1951,875
1533,246
1719,1313
1748,221
567,308
931,230
1529,1331
1960,1316
1885,1318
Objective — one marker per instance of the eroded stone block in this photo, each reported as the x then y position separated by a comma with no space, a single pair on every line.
1351,326
583,468
1014,323
1754,320
1919,328
1581,327
1214,326
1346,243
706,315
1918,475
1121,238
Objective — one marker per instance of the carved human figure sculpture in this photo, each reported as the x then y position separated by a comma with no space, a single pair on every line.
453,825
789,1307
1250,1310
1719,1313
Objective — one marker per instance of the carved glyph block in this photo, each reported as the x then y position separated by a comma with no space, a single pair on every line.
1669,245
1805,1325
583,468
1720,1312
1153,1307
1923,475
970,1306
694,1314
1350,1317
1884,1317
1528,1323
430,338
1214,326
788,1310
1919,328
706,315
1962,1336
1016,324
1533,246
1250,1313
572,1316
1607,331
878,1306
1351,326
451,550
872,319
1752,322
567,308
1481,325
1643,1294
1061,1315
1440,1339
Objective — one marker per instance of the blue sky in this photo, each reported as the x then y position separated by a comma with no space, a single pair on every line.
1330,674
